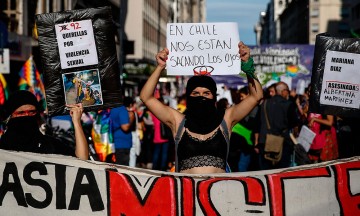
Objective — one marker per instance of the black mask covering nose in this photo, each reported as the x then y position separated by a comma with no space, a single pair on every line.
202,116
22,134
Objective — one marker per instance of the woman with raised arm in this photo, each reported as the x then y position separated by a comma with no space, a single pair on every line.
202,132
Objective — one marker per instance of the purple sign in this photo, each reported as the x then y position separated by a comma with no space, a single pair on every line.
291,63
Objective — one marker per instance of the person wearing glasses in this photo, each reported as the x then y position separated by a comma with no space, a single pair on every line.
22,113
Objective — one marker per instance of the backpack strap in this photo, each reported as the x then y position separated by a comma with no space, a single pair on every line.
177,140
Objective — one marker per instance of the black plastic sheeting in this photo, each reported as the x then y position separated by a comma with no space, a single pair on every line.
109,73
323,43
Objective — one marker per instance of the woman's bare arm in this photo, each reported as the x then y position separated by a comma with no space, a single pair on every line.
164,113
235,113
81,144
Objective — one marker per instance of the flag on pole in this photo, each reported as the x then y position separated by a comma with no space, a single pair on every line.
31,80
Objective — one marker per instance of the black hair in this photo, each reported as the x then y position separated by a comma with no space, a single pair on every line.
128,101
244,90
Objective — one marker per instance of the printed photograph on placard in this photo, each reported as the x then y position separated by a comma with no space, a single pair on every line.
83,87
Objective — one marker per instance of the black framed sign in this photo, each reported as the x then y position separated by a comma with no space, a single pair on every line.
78,55
335,80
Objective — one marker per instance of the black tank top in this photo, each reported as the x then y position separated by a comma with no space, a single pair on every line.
193,152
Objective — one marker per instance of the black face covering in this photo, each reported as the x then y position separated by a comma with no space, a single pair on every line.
202,117
22,134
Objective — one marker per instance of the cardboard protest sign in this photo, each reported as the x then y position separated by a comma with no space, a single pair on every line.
335,81
78,55
203,48
76,39
341,80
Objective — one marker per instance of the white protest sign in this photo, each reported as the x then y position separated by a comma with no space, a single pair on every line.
4,61
76,44
200,48
341,80
306,137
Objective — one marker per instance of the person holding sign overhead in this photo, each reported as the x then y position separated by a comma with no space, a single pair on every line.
202,132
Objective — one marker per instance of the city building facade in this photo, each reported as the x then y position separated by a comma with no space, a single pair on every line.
299,21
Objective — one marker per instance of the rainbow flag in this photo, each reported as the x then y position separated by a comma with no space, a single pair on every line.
31,79
4,91
102,136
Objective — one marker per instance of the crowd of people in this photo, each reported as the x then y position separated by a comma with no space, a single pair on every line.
199,133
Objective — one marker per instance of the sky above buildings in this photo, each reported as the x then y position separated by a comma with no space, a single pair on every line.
245,12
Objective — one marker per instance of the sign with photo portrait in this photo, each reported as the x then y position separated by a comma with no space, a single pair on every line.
82,87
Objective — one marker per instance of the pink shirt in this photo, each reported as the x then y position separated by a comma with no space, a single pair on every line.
319,141
157,131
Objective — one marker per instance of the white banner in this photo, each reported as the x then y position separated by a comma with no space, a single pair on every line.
38,184
76,44
203,48
341,80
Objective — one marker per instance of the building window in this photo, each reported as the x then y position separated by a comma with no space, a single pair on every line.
13,14
315,27
314,12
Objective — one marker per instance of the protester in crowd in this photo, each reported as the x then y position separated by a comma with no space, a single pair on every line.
282,120
181,107
270,91
302,104
234,149
161,144
226,93
203,141
348,136
324,146
145,158
22,112
135,147
302,108
223,104
122,121
243,136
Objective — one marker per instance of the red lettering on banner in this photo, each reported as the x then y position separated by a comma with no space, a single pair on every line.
349,203
253,189
125,199
187,196
276,186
